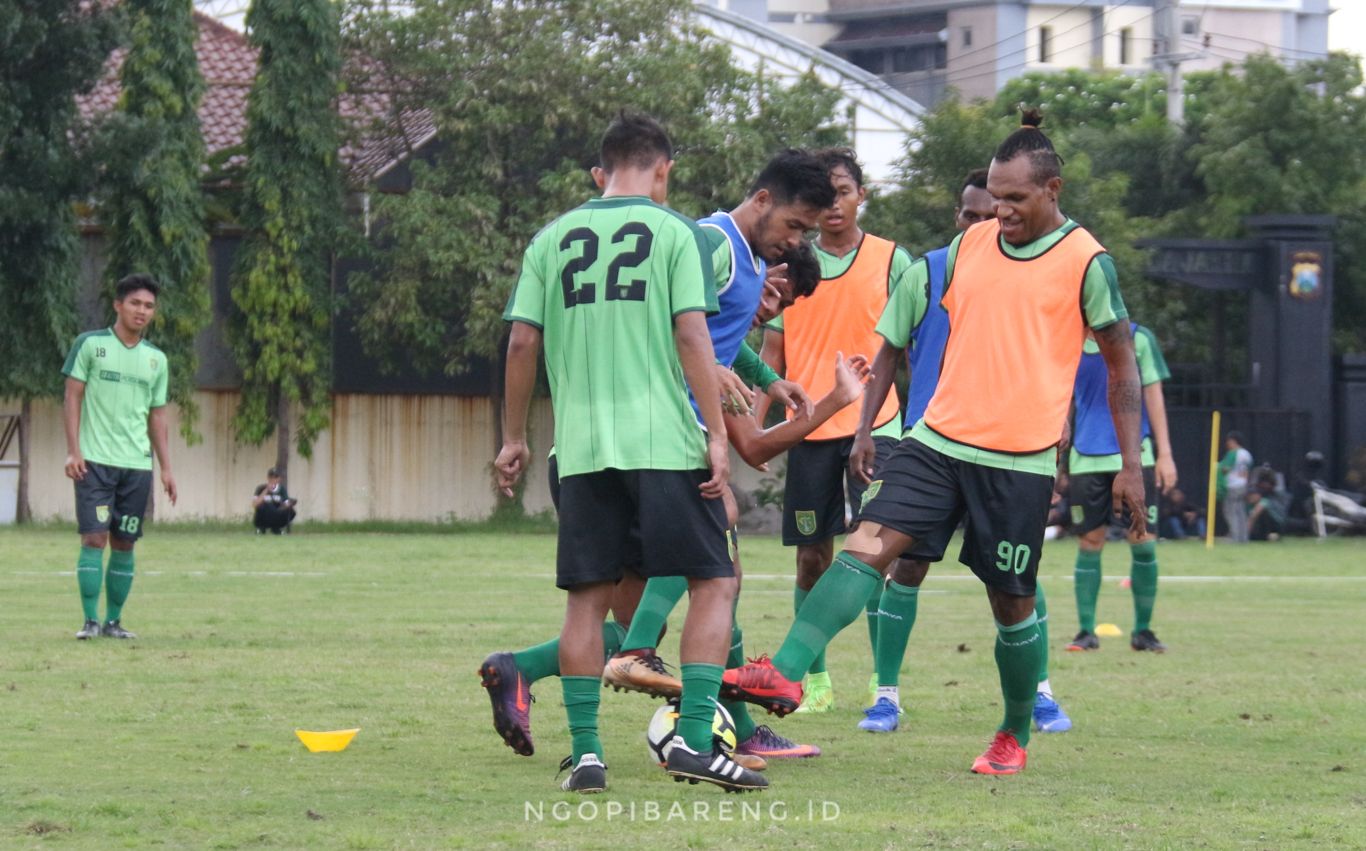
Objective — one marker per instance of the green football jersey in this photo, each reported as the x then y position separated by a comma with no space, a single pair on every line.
122,385
603,283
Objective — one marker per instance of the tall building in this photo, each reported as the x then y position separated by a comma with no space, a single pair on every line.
924,48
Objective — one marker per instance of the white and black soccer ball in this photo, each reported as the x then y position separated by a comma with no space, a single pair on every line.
664,726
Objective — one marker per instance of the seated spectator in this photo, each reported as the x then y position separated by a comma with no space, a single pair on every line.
1268,504
1180,518
274,509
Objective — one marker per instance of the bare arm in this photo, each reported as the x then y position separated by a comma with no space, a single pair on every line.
1125,396
756,446
524,348
771,354
1165,469
862,453
156,430
698,359
71,420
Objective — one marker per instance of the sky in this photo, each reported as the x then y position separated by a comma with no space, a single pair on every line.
1347,26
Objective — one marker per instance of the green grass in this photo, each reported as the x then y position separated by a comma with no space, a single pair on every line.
1248,734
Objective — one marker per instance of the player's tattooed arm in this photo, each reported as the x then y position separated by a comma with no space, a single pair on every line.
1125,395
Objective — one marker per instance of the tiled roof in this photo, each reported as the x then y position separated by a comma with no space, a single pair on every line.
228,62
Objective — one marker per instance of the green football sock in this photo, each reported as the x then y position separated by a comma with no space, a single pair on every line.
661,594
1143,581
701,683
117,583
581,698
798,597
90,578
738,709
840,594
1017,660
1087,574
898,605
874,600
1041,612
543,660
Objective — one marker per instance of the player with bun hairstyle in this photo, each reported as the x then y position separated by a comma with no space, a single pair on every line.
1020,291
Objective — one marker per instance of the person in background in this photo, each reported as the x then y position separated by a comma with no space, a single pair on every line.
1232,486
273,508
1180,518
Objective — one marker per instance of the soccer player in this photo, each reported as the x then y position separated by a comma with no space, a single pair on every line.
115,418
618,290
1092,465
1019,291
924,344
859,270
784,201
509,676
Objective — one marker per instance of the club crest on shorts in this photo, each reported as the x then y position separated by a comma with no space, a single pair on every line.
870,493
806,522
102,513
1078,514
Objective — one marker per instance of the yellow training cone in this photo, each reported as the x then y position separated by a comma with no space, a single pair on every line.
331,740
1108,630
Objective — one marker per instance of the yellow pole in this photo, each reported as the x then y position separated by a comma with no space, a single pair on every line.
1213,474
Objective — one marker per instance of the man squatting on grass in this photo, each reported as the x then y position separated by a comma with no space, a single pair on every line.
1020,291
115,416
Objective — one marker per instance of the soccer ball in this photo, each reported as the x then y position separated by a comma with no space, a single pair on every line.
664,725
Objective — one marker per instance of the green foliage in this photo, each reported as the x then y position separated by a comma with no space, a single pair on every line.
154,204
953,139
520,93
1260,138
49,52
291,212
1076,98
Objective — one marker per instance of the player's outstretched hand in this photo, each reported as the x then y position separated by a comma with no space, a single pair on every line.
791,395
1165,473
511,464
75,467
736,398
718,459
1127,495
776,274
168,484
851,374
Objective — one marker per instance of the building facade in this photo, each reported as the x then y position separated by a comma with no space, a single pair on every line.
927,48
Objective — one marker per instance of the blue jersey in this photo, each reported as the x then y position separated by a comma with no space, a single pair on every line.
738,297
1093,432
925,354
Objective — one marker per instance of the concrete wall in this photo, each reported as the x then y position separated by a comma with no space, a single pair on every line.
972,68
384,458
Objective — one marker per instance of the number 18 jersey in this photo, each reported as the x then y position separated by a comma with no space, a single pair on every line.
604,282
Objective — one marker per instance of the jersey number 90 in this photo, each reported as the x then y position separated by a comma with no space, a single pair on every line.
587,291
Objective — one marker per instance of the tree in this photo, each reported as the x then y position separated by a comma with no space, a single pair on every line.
50,51
291,213
520,93
154,204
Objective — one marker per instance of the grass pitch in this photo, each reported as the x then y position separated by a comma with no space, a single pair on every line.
1249,733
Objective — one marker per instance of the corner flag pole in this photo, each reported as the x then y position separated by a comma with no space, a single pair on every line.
1213,474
